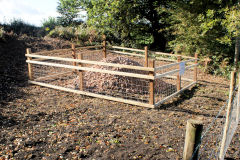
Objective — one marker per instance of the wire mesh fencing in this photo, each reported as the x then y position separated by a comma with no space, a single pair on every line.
115,73
212,137
171,79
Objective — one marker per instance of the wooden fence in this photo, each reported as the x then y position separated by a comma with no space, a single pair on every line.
152,73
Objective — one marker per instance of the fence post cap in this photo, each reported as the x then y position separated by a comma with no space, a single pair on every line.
195,121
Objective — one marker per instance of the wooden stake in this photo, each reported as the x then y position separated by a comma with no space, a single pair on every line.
195,69
30,68
104,47
74,55
237,52
151,83
146,56
238,99
229,110
179,58
80,73
192,139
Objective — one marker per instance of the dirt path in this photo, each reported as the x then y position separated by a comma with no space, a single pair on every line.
41,123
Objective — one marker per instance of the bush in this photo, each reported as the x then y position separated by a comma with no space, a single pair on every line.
81,34
50,24
2,33
19,27
62,32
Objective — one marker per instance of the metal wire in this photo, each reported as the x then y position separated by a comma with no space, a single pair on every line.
215,135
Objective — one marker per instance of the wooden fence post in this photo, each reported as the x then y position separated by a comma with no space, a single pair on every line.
81,78
229,109
30,68
146,56
179,58
238,99
74,55
195,68
192,139
104,47
151,83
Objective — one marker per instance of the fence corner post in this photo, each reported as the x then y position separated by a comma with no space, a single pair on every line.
195,68
146,56
192,139
104,47
30,68
179,58
151,83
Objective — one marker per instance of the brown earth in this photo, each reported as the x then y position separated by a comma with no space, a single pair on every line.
41,123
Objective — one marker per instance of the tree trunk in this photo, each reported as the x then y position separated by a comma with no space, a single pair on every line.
159,41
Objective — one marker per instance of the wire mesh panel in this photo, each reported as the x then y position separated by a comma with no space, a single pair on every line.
211,137
233,121
120,86
170,79
93,54
137,59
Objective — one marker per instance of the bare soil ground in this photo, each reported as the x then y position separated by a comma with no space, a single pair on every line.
41,123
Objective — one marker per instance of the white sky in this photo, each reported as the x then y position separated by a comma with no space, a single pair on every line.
30,11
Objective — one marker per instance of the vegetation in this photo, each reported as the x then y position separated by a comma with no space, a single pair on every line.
69,10
207,27
81,34
18,27
50,24
130,22
210,28
2,32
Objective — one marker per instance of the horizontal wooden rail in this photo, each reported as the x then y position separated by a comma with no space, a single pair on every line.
191,66
44,59
126,53
166,73
52,76
67,49
92,62
92,69
174,94
173,64
168,54
184,79
164,59
93,94
140,55
173,71
125,48
88,51
53,51
88,47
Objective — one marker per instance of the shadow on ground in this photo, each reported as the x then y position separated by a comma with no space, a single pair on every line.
187,95
12,70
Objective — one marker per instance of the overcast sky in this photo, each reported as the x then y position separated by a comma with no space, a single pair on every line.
31,11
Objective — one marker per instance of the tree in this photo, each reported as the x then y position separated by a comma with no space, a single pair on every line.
69,11
199,26
50,23
130,20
